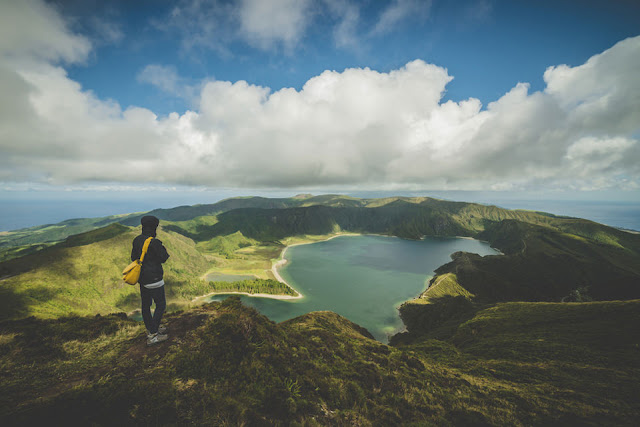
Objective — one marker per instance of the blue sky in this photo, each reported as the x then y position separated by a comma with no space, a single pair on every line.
488,46
325,95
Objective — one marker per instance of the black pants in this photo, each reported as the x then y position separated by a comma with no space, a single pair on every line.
148,296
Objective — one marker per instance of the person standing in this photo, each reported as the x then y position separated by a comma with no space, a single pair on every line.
151,279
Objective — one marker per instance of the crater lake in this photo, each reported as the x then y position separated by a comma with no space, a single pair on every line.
363,278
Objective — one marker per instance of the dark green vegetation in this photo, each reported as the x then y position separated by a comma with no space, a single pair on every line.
571,260
254,286
225,364
546,334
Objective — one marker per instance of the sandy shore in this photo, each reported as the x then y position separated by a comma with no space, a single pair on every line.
278,264
281,261
272,296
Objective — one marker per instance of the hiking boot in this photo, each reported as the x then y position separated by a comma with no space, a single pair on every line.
162,330
156,338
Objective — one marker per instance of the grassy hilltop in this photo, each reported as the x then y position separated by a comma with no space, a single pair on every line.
548,333
225,364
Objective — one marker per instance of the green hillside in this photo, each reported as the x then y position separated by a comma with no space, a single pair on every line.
225,364
19,242
28,239
77,276
540,263
404,217
546,258
467,215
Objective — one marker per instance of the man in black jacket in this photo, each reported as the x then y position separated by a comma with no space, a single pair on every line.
151,279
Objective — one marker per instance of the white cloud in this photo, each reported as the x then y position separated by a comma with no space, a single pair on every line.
590,156
162,76
603,91
359,127
345,30
30,27
267,23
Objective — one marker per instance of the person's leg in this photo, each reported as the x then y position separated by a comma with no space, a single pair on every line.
145,296
161,305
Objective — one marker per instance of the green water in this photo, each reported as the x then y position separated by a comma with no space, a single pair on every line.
363,278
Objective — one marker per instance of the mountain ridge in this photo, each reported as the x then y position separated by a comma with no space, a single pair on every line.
545,257
530,337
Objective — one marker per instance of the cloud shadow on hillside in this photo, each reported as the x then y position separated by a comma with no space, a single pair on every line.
16,304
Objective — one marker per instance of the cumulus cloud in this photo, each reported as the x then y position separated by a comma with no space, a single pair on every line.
32,28
358,128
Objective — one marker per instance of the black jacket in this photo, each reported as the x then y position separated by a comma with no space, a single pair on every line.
152,265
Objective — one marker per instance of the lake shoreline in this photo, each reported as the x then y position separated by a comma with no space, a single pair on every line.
258,295
281,261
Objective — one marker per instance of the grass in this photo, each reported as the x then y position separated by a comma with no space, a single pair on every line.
82,274
540,329
560,363
225,364
86,279
226,245
442,286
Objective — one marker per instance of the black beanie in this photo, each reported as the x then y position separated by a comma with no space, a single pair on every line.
149,222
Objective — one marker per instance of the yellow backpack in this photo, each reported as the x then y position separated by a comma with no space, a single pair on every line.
131,274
